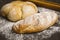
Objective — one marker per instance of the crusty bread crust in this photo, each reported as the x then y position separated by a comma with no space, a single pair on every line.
36,22
17,10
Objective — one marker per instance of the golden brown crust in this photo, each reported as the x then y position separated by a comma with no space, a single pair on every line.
17,10
15,14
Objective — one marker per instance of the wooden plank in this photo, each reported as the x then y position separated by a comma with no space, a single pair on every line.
47,4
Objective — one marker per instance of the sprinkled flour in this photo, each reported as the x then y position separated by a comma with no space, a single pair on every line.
6,30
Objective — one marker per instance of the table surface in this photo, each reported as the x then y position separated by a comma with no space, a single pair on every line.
52,33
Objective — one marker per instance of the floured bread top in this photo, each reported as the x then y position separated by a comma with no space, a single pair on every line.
36,22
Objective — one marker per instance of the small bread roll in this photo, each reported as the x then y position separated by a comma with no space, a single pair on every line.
35,23
17,10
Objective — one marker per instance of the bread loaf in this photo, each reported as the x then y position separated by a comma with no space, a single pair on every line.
17,10
35,23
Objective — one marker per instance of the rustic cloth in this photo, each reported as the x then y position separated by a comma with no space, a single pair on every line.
52,33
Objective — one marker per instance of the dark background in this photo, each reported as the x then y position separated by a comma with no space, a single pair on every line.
57,1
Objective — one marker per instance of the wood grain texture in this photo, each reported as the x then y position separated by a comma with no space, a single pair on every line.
47,4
